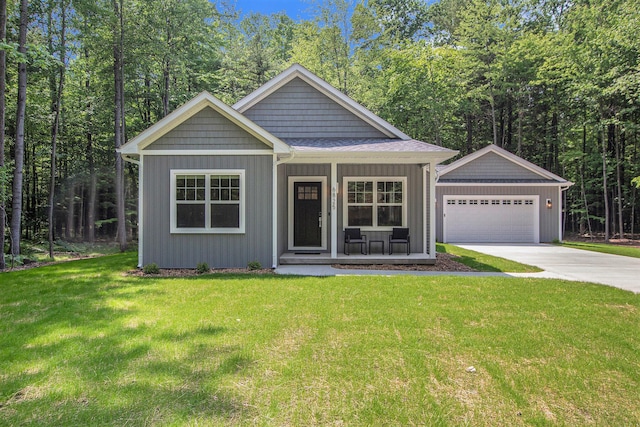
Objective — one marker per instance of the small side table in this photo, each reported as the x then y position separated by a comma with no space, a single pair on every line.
376,241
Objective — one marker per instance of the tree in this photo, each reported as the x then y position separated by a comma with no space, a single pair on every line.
16,211
4,181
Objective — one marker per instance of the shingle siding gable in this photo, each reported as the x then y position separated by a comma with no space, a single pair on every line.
207,130
491,166
297,110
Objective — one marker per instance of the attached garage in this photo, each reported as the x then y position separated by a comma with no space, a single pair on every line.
491,219
494,196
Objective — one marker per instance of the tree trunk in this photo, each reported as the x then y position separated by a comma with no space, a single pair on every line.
56,122
619,183
119,121
3,175
605,193
16,211
71,203
469,133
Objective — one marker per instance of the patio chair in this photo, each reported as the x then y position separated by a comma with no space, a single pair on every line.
399,236
352,236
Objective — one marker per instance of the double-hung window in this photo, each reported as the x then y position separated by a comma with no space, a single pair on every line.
375,203
210,201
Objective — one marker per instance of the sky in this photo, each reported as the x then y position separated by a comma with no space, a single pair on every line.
296,9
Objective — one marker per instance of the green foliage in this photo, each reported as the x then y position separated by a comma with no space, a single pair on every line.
202,268
254,265
151,268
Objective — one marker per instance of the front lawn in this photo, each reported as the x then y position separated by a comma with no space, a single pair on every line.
83,344
632,251
484,262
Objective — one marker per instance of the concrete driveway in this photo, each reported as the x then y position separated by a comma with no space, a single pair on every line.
572,264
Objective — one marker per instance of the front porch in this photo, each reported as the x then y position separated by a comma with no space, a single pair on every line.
319,258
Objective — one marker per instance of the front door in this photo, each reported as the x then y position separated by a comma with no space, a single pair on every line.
307,214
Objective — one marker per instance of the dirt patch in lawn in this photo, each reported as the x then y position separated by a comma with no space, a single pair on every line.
444,262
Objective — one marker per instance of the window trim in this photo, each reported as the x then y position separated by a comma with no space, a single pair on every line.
374,179
207,229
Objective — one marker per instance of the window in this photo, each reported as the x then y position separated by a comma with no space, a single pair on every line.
207,201
375,202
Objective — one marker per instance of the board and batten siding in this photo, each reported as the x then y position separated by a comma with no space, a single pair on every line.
297,110
415,191
207,130
491,166
549,218
218,250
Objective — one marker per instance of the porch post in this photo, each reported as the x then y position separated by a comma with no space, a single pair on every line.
432,210
333,210
274,213
425,218
141,211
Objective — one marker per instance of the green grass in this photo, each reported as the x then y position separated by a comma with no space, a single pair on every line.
629,251
83,344
484,262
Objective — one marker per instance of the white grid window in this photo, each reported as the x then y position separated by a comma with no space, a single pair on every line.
375,203
210,201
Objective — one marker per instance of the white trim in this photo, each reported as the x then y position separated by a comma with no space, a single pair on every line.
334,209
325,88
188,110
274,212
501,184
374,179
534,197
424,208
505,154
560,236
432,210
140,212
187,152
290,225
207,202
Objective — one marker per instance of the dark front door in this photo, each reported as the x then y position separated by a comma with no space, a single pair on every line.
307,214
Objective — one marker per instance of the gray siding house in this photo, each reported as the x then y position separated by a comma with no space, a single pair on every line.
277,177
495,196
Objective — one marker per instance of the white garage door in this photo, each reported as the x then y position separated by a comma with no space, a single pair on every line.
497,219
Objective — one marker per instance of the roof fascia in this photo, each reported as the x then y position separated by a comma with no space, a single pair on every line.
505,154
188,110
334,94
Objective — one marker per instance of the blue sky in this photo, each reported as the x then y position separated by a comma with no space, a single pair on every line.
294,8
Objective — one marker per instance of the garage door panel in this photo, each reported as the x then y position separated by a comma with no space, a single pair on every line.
498,219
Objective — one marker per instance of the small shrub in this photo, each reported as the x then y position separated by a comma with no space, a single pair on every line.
254,265
151,268
202,268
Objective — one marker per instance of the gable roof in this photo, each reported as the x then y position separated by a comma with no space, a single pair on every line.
543,173
188,110
298,71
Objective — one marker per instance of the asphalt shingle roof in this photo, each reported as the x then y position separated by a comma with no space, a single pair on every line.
363,145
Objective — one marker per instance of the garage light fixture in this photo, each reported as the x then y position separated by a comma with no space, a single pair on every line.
549,205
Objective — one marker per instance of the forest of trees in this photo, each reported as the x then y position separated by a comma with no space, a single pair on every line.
554,81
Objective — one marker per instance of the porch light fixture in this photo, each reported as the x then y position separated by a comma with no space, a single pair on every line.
549,204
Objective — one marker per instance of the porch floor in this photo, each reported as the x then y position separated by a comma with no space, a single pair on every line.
293,258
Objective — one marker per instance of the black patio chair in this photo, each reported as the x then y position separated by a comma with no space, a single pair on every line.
352,236
399,236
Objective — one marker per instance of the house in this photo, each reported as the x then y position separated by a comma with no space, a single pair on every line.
492,195
277,177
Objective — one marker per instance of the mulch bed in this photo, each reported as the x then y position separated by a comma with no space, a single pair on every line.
444,262
191,272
